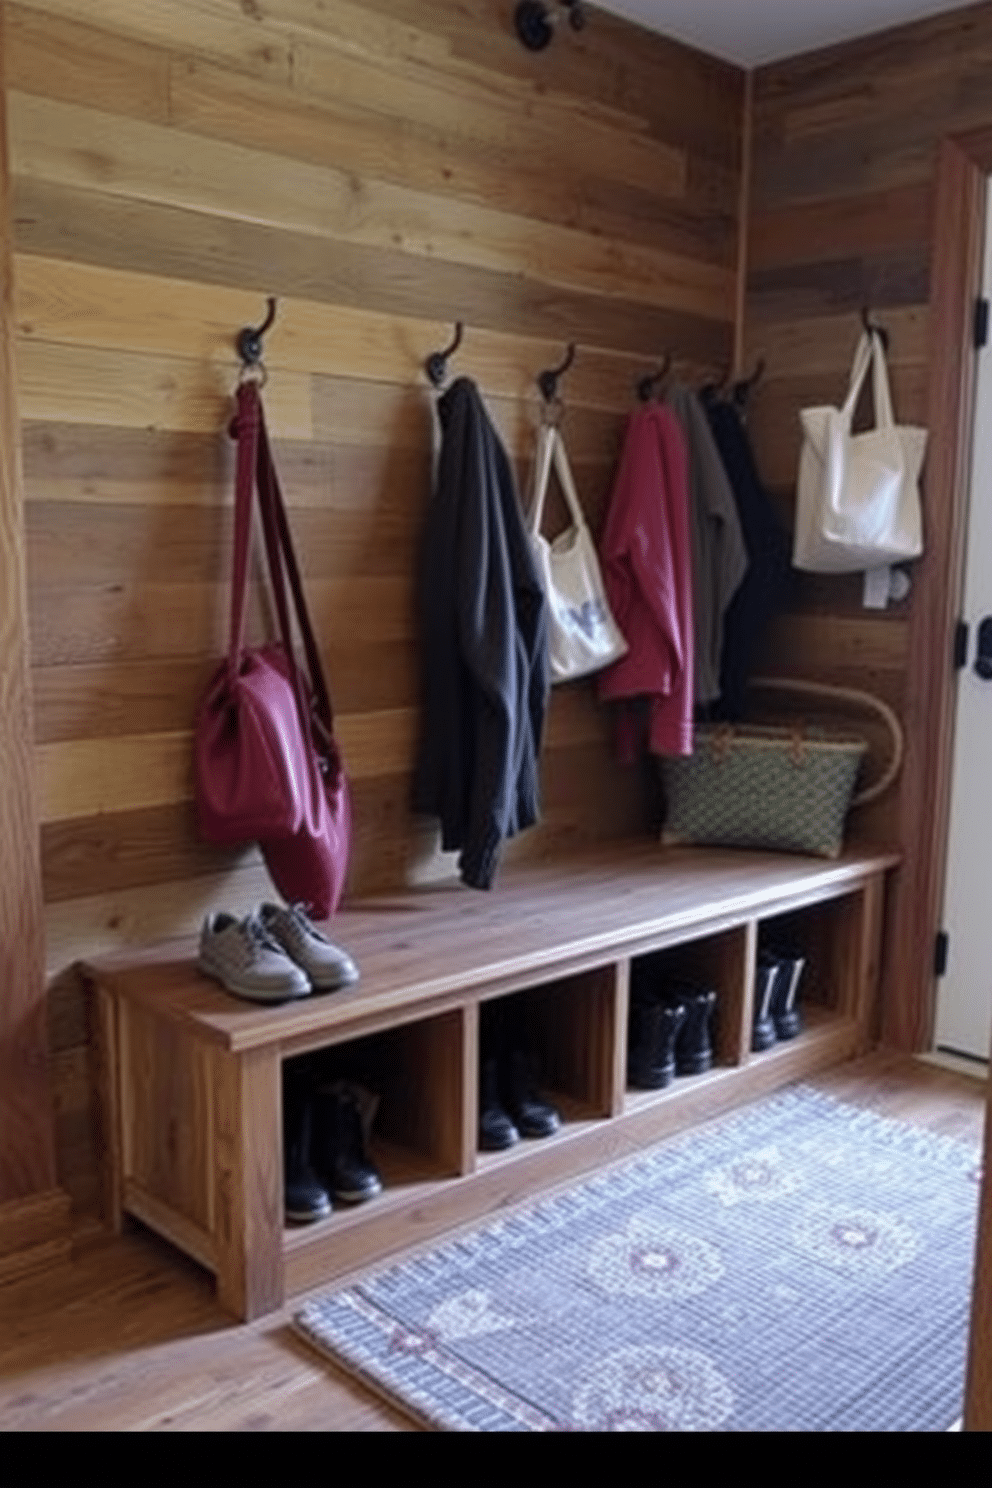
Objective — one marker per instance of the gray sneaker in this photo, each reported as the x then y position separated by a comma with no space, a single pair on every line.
327,965
244,957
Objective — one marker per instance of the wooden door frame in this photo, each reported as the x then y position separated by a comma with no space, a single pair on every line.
964,165
909,984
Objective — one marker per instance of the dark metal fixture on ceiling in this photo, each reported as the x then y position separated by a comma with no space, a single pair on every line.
535,20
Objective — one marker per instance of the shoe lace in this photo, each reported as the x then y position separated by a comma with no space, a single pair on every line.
298,914
259,937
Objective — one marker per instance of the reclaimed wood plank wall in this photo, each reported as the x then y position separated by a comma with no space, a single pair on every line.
845,148
384,169
27,1165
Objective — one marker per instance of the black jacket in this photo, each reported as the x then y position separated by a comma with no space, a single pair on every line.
483,620
766,587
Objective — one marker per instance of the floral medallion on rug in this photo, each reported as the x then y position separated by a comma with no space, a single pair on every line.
801,1265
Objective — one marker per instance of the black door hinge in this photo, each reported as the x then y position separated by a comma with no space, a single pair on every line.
941,947
961,644
981,323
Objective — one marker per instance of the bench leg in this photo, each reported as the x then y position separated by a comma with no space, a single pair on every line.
248,1200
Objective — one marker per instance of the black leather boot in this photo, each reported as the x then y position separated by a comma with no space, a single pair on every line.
785,999
765,984
654,1028
693,1049
532,1116
306,1198
343,1116
496,1131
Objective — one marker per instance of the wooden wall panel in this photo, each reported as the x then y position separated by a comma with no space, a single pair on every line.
383,169
26,1148
843,215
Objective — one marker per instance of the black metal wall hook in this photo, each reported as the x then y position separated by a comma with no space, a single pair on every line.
547,380
249,341
872,328
744,386
437,363
646,385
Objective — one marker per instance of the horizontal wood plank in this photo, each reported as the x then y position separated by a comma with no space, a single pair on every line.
93,226
465,104
141,623
62,59
113,309
86,148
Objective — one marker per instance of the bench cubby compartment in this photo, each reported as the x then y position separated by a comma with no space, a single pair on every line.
570,1025
721,963
415,1072
825,936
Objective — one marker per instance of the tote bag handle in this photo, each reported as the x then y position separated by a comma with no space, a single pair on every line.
870,353
551,449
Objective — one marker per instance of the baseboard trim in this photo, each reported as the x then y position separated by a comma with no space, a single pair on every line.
978,1069
34,1234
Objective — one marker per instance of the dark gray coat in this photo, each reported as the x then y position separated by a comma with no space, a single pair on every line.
483,635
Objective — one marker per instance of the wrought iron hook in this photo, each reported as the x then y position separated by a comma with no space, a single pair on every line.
437,363
547,381
872,329
250,339
744,386
646,385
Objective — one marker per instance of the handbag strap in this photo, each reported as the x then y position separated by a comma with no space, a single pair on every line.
270,492
867,700
256,466
551,448
244,428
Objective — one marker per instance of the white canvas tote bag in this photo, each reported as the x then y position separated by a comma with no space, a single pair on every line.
858,497
583,634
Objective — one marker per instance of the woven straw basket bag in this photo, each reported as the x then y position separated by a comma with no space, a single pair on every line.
781,788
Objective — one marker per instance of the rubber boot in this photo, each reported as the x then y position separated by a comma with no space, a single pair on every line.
496,1131
654,1028
306,1198
765,985
693,1049
531,1115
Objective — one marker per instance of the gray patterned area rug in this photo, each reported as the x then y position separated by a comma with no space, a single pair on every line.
799,1266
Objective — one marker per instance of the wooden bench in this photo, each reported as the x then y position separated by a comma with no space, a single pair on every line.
191,1078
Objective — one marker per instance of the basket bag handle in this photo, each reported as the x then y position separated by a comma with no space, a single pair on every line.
870,703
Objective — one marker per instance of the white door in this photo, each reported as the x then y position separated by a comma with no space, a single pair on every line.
964,993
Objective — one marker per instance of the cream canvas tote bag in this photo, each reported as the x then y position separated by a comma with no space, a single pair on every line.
858,498
583,635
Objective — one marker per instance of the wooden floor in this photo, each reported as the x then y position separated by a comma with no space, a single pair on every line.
128,1336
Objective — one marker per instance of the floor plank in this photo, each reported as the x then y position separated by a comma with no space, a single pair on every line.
127,1336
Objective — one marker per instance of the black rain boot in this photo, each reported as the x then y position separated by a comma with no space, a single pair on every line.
306,1198
343,1117
654,1028
693,1050
532,1116
496,1131
765,984
785,1000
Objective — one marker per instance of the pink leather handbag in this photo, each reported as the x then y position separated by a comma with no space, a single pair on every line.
267,766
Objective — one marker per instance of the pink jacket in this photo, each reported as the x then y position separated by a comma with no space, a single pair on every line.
646,556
